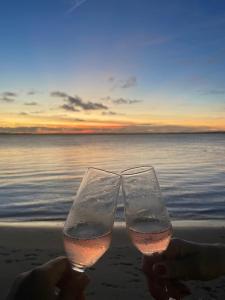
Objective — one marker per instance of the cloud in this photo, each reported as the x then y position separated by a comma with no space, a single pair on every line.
107,98
9,94
123,83
74,103
68,107
33,92
7,99
121,100
109,113
38,112
79,120
130,82
23,113
58,94
125,101
31,103
111,79
77,101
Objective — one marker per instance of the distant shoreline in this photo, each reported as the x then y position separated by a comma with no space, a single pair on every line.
111,133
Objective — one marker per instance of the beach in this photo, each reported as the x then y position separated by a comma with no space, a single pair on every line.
117,275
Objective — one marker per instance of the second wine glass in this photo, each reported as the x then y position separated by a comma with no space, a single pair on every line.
147,219
87,231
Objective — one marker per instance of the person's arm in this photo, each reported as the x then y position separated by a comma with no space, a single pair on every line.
54,280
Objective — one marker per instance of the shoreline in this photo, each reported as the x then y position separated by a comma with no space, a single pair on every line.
117,224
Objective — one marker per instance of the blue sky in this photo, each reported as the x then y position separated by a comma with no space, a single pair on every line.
169,56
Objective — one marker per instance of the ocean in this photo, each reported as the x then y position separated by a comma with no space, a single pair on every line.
40,174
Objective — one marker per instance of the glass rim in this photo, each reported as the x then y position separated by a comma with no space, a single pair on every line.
129,172
105,171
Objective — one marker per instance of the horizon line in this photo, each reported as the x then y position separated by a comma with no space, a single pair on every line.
113,133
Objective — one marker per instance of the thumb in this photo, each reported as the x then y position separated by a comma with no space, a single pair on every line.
183,269
54,270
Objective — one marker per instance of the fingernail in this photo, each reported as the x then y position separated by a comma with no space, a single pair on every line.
160,270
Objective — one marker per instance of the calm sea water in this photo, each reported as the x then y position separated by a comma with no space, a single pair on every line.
39,175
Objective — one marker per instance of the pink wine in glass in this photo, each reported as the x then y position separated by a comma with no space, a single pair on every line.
150,236
83,252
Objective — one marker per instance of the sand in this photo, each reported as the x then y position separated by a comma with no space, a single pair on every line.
117,275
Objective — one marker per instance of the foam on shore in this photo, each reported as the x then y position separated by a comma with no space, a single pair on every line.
59,224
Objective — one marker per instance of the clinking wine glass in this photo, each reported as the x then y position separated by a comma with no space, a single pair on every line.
87,230
147,219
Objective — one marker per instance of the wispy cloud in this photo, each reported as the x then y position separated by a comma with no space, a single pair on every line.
9,94
121,100
58,94
110,113
38,112
68,107
23,113
125,101
33,92
123,83
75,5
111,79
74,103
8,97
79,120
130,82
31,103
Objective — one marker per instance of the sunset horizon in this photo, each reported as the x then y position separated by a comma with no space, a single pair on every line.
92,67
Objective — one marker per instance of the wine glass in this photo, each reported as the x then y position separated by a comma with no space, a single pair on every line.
87,230
147,219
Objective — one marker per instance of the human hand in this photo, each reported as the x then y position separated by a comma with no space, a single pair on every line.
54,280
160,287
182,260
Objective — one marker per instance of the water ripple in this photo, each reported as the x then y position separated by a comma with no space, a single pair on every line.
39,175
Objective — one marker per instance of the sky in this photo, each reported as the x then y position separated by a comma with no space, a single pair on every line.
119,66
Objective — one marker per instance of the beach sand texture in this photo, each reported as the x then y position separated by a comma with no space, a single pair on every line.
117,275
